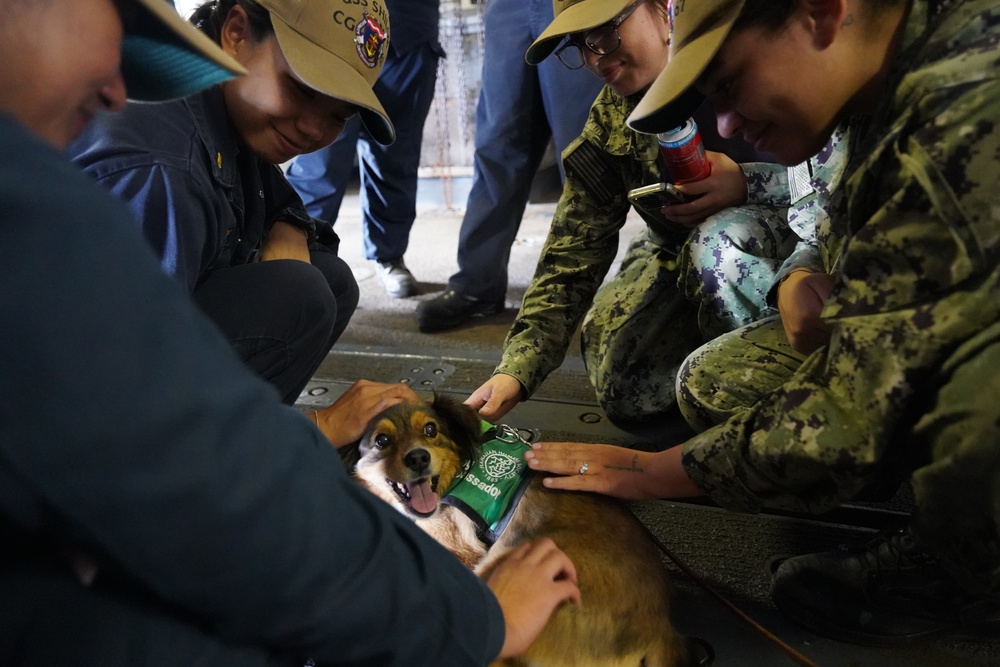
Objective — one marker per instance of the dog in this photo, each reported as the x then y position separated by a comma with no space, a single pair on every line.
411,454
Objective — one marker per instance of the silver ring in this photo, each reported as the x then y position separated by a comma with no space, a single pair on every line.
584,468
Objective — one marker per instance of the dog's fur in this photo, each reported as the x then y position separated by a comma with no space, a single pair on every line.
624,620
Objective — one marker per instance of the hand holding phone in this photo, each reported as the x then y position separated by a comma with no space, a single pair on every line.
655,196
649,199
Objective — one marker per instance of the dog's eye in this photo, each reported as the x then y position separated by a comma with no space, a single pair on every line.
430,429
382,441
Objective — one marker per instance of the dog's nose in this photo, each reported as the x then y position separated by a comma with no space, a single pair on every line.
417,460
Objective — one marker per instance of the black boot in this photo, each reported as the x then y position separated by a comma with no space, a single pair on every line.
452,309
886,592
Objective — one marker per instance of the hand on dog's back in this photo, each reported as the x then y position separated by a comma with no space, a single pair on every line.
530,584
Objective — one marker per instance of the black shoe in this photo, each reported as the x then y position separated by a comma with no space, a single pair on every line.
451,309
883,593
396,278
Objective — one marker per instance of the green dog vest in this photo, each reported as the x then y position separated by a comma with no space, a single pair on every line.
491,487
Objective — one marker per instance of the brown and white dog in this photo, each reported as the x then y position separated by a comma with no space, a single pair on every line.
411,453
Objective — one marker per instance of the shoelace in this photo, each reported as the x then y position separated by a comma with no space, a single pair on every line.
895,551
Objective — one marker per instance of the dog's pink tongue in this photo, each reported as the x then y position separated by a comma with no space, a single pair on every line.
422,498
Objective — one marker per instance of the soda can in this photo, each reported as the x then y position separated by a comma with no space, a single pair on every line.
683,154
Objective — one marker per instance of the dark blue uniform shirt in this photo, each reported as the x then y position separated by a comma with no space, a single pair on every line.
168,461
203,201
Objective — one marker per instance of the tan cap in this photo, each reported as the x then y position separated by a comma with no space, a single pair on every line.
572,16
164,56
699,29
338,48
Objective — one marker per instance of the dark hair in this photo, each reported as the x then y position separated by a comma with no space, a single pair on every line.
210,16
662,7
769,15
764,14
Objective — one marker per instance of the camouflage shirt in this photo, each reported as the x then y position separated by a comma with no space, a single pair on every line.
916,277
602,165
811,187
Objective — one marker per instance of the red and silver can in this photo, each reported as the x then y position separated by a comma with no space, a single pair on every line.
683,154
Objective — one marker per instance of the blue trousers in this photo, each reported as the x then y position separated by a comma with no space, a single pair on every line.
388,173
520,107
283,316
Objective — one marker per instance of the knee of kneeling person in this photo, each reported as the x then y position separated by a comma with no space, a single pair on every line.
700,403
308,289
739,230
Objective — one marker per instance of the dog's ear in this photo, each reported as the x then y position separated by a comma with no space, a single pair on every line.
462,423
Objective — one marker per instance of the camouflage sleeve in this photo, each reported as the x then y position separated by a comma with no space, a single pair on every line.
580,248
811,186
806,255
804,219
918,278
767,183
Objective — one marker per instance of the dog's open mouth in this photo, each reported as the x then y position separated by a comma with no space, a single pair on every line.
421,495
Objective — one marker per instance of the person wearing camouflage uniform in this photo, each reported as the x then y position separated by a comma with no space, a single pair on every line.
687,277
906,386
907,381
674,290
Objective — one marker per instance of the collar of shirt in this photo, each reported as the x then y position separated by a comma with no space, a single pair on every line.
217,135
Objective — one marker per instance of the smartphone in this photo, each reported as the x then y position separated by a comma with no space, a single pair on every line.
650,198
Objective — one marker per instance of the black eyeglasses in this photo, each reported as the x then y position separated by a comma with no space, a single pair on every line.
602,40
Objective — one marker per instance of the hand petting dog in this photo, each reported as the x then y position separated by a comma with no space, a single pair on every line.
529,585
612,471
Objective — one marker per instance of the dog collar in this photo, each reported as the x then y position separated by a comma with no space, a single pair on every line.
491,487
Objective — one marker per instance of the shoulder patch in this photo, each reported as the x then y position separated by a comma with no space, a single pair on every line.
595,171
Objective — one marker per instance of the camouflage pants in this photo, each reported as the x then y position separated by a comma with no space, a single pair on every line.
659,307
733,371
951,453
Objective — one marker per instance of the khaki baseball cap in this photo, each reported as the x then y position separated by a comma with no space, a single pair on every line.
572,16
338,48
699,29
164,56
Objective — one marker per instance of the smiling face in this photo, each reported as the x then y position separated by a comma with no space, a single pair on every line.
634,65
774,91
784,89
274,112
61,64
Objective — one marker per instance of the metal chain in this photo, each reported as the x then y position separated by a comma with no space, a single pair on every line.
441,119
461,44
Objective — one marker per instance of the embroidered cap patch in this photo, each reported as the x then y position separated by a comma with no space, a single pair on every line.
370,38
